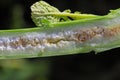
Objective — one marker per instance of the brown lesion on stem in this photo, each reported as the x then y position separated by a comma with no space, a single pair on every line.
86,34
112,31
78,36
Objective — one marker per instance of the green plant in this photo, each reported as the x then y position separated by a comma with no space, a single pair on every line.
61,33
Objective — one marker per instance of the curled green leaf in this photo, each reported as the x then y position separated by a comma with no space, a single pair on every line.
43,14
42,7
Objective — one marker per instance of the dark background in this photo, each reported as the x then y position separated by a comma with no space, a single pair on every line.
90,66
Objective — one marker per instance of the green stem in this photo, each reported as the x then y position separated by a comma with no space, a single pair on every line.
99,33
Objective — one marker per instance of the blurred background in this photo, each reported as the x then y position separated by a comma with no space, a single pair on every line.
90,66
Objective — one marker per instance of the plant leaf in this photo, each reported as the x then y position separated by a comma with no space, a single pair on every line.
43,14
42,7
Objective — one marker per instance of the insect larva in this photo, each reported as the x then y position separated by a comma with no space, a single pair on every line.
61,38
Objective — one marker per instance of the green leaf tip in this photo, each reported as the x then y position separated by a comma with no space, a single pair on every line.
115,12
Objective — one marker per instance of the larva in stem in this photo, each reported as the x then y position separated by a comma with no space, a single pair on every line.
97,34
91,33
